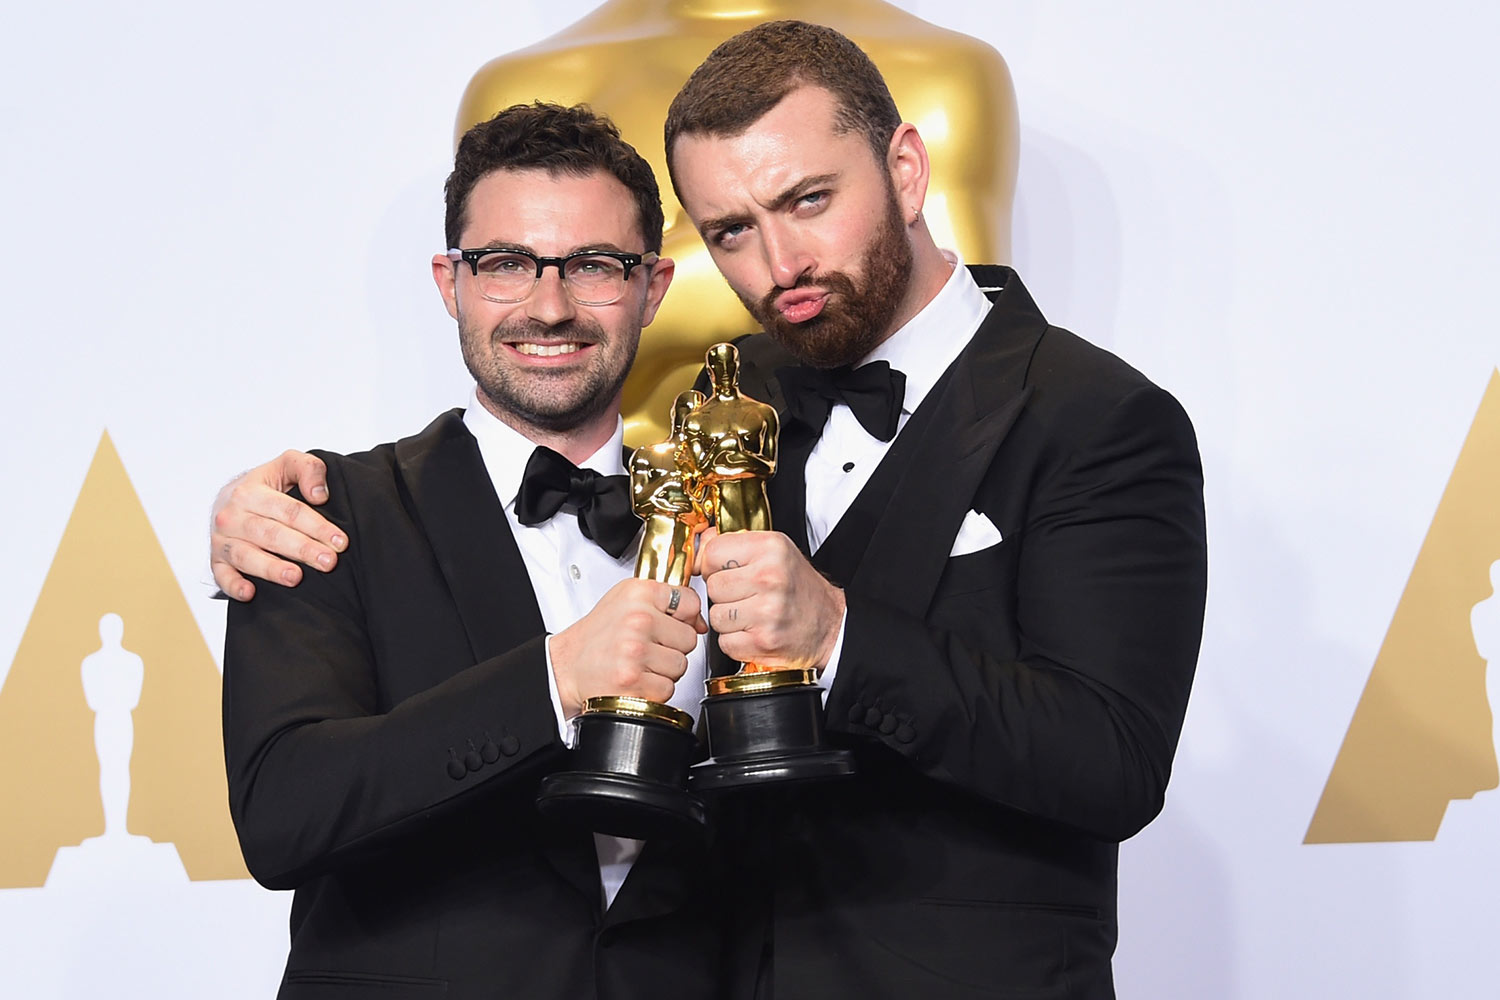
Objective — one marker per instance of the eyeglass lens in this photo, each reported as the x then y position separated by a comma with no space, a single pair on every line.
591,280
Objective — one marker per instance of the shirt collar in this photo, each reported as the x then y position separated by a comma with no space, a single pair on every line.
931,340
506,450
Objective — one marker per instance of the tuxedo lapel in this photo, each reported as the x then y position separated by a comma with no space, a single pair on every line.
970,417
917,500
454,500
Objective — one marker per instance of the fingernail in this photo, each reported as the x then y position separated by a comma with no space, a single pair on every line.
325,560
320,492
289,577
339,541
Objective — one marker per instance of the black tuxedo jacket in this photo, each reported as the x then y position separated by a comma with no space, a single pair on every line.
1015,710
386,726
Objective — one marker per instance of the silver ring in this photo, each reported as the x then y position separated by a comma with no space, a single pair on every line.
675,600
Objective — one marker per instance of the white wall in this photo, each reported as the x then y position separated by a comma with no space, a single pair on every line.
214,229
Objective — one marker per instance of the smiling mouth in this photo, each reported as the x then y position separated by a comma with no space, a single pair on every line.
547,350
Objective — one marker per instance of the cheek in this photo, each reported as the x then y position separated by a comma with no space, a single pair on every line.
746,277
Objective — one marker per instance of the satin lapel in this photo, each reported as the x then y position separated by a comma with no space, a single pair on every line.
972,416
456,504
454,500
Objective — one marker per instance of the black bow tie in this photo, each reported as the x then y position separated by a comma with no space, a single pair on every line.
602,503
873,392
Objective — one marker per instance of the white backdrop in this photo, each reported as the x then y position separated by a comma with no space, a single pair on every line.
215,224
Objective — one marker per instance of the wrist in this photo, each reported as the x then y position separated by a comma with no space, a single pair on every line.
833,632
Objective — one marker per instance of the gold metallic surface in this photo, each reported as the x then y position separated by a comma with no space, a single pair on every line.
639,708
665,493
629,57
757,683
731,440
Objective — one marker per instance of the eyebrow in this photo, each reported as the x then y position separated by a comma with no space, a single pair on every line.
777,204
514,245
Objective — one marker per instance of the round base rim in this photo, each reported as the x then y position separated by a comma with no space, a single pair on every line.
818,765
620,805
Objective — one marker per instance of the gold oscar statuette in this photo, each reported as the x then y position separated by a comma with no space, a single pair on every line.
764,724
631,755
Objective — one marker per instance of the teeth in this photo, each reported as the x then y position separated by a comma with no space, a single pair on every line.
547,350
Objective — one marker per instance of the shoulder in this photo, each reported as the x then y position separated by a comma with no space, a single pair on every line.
375,475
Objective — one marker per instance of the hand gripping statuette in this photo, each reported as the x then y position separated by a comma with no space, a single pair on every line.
631,755
764,724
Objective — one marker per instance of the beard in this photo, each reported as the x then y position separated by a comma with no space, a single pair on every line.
550,400
858,313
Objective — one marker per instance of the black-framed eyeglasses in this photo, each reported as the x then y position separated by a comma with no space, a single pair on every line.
592,277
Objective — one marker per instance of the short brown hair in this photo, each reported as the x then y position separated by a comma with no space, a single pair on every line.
752,72
559,140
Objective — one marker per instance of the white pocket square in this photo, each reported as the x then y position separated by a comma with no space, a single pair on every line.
976,533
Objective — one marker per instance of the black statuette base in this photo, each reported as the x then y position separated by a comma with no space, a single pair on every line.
767,736
627,778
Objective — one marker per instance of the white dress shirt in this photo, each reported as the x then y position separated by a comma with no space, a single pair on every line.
569,574
846,455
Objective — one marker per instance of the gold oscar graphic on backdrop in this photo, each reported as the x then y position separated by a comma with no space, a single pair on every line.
1421,736
627,58
110,750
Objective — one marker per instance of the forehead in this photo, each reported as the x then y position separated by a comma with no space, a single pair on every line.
795,139
551,213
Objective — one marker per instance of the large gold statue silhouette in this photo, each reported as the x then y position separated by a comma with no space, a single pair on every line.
629,57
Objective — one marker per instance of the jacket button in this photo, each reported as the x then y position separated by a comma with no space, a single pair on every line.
510,746
905,733
888,725
873,716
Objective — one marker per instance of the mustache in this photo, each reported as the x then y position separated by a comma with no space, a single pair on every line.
575,330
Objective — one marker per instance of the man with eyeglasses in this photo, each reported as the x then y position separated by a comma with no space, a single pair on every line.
387,723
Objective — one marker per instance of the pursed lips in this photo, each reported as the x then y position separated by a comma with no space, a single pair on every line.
798,305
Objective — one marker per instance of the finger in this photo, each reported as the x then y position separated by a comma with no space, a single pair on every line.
247,498
675,635
230,582
727,618
654,687
666,663
683,603
256,562
278,539
738,583
304,471
707,535
303,519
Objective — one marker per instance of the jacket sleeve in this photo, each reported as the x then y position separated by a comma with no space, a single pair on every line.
1074,718
320,769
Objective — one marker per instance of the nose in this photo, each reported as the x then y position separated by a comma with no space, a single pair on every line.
549,301
786,257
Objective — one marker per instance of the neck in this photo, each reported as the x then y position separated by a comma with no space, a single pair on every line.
575,444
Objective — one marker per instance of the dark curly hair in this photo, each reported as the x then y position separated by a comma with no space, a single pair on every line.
560,140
